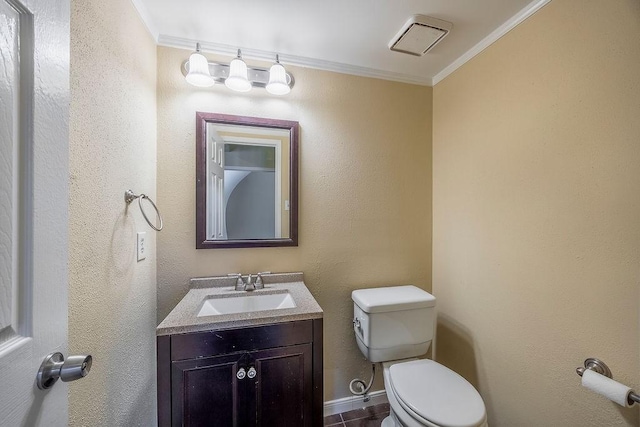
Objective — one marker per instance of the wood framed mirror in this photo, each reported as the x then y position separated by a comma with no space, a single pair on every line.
246,182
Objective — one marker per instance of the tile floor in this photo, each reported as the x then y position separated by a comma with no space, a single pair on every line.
371,416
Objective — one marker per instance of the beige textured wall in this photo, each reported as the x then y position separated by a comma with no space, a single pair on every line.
536,214
365,207
112,298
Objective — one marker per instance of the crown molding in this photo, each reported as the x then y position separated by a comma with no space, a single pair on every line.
529,10
300,61
146,18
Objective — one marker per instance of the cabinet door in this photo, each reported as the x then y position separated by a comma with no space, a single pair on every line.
207,392
283,386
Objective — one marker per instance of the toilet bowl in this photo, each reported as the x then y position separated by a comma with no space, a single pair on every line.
426,393
394,325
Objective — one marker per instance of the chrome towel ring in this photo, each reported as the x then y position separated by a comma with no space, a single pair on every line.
129,197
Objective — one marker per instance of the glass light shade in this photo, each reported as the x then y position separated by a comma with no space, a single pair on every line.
237,79
278,81
199,71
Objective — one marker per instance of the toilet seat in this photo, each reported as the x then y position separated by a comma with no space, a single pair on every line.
435,395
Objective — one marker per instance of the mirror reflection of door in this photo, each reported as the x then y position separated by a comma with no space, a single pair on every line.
251,192
247,196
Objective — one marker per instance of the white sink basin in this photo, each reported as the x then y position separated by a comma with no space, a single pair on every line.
246,303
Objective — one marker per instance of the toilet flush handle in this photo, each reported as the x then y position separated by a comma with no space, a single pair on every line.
356,323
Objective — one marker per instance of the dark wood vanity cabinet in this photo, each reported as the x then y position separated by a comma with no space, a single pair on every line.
257,376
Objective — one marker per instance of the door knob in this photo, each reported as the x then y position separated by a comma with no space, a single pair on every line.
55,366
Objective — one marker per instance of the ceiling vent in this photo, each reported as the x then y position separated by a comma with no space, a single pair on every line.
419,35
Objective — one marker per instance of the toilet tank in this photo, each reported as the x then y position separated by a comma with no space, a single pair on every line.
393,323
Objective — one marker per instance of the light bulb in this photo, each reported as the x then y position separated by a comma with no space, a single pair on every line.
199,70
277,80
238,79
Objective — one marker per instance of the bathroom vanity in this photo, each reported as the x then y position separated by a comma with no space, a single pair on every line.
238,358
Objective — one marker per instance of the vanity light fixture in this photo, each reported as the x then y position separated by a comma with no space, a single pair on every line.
237,75
199,70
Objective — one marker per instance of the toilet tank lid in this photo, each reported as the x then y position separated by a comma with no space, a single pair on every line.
392,298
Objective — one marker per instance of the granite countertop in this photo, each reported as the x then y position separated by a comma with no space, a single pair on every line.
183,318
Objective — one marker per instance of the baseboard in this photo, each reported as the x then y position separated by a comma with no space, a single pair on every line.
350,403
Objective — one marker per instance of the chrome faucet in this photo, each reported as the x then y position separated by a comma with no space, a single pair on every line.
249,285
240,284
259,283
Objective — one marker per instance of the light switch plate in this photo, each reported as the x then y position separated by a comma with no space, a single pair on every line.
142,245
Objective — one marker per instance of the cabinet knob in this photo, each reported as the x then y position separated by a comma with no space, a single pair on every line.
252,372
241,374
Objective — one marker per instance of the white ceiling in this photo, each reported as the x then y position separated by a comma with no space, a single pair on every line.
349,36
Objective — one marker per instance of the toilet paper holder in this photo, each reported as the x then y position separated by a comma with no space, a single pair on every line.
600,367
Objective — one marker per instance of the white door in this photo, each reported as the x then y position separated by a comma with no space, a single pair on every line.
216,223
34,113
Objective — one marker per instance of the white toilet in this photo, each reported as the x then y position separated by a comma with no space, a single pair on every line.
394,325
